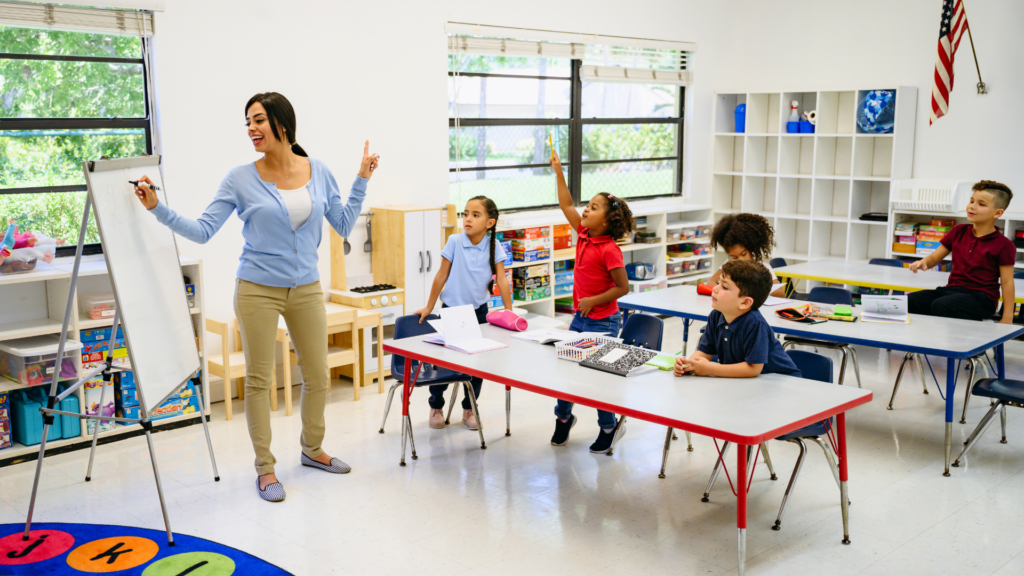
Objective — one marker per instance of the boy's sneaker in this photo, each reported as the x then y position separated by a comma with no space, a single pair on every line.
561,435
436,418
607,440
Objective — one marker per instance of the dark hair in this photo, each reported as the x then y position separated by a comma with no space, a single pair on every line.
1000,192
618,217
280,114
751,231
492,212
751,277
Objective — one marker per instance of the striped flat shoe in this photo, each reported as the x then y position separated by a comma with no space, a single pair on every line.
336,466
272,493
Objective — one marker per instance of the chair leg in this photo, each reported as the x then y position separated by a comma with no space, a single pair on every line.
982,426
856,364
622,422
832,464
920,370
412,441
1002,424
451,405
674,437
792,481
508,410
227,398
714,472
689,442
387,406
842,364
664,454
476,414
768,461
899,378
970,384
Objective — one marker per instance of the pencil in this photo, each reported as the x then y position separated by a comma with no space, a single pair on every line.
551,146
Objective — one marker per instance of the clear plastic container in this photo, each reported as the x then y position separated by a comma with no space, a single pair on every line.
97,306
674,268
30,361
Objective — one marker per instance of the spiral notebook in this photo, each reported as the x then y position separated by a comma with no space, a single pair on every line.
621,359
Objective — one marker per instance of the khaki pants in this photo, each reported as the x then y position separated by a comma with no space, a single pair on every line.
257,308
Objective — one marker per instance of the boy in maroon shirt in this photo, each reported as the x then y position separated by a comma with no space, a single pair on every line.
982,262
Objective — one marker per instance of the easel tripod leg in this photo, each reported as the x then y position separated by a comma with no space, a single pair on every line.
96,430
206,430
35,482
147,425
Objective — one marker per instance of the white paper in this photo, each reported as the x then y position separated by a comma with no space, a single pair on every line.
460,331
888,309
773,301
613,356
546,336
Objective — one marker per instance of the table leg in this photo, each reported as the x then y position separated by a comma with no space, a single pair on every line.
406,391
741,508
380,354
1000,361
686,334
950,388
843,475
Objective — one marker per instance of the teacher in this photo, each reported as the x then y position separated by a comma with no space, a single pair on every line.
281,199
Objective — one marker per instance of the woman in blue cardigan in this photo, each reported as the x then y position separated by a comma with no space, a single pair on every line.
281,199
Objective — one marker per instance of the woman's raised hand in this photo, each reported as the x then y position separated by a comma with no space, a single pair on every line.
370,162
145,194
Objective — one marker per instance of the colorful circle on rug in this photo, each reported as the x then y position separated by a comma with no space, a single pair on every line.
58,549
41,545
113,554
193,564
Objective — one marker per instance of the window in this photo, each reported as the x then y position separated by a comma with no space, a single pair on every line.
503,108
65,97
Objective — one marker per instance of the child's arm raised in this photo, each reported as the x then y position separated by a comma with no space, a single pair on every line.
931,260
503,289
1009,293
435,289
564,198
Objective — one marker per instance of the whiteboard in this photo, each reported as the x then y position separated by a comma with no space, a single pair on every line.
142,259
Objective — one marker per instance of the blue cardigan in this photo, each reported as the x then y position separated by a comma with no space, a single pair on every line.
274,254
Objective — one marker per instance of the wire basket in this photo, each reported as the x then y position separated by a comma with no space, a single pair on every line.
568,351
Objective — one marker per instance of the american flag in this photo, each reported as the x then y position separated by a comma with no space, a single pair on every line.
951,29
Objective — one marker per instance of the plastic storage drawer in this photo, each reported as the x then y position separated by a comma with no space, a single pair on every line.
30,361
97,306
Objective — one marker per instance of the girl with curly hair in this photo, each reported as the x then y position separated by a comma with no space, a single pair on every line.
746,237
599,281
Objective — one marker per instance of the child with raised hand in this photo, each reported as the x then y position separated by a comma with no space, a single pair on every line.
599,281
471,261
736,332
982,262
746,237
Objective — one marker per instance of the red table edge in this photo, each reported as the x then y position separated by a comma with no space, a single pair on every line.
728,436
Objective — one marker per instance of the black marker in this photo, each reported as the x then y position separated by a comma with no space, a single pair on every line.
136,183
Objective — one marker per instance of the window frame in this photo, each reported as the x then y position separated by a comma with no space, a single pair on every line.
41,124
575,123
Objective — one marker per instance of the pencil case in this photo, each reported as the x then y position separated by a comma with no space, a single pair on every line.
507,319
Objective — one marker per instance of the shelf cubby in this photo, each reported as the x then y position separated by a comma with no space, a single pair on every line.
832,199
797,155
861,97
872,156
727,193
836,112
868,196
728,154
759,194
805,101
762,155
794,197
834,156
828,240
763,113
867,242
792,238
726,104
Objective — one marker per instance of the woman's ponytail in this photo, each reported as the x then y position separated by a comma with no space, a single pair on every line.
298,150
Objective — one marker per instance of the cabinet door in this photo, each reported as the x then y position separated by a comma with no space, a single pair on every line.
415,263
432,249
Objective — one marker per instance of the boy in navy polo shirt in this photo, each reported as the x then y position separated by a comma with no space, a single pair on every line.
736,331
982,262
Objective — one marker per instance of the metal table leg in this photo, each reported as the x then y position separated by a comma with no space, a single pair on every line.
843,475
741,508
950,388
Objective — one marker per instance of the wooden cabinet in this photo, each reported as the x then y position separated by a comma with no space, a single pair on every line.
407,250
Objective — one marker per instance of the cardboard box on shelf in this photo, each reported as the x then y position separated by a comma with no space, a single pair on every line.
531,283
531,256
937,222
99,334
538,232
562,230
904,248
531,294
530,271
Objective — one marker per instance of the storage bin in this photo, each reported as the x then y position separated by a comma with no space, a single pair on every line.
30,361
674,268
71,427
97,306
27,421
672,236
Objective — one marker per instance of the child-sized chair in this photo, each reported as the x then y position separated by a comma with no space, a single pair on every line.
1004,392
230,365
407,327
813,367
832,296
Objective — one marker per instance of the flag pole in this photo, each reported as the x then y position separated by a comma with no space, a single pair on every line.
981,85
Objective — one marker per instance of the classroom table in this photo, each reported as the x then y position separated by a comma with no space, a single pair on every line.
948,338
873,276
745,411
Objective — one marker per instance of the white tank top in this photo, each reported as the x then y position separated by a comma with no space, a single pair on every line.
299,204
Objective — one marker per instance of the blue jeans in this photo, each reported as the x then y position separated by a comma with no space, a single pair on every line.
609,326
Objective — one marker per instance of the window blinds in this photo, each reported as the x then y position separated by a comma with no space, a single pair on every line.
56,17
605,58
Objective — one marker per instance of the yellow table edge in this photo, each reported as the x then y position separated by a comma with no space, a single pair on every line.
880,285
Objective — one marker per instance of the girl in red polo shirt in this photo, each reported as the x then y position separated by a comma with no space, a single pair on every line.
599,280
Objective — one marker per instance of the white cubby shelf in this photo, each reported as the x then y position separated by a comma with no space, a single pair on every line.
813,188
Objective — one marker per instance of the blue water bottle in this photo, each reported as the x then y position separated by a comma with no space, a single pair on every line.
741,118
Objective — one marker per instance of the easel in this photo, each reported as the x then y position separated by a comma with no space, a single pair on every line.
107,370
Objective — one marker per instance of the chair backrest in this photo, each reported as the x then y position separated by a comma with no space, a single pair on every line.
831,295
777,263
790,286
409,326
643,330
812,366
1018,274
895,263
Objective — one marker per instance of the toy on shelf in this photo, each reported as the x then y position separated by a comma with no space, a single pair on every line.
20,252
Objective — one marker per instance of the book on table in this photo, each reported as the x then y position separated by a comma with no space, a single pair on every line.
884,309
621,359
552,335
458,330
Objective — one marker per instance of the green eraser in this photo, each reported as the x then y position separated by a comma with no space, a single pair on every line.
842,311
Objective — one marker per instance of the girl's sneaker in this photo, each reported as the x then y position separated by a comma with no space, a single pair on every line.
561,435
607,440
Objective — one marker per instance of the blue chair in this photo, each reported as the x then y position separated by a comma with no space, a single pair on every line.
812,367
1004,392
407,327
894,262
643,331
791,292
833,296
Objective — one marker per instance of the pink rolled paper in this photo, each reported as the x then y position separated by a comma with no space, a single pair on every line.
507,319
